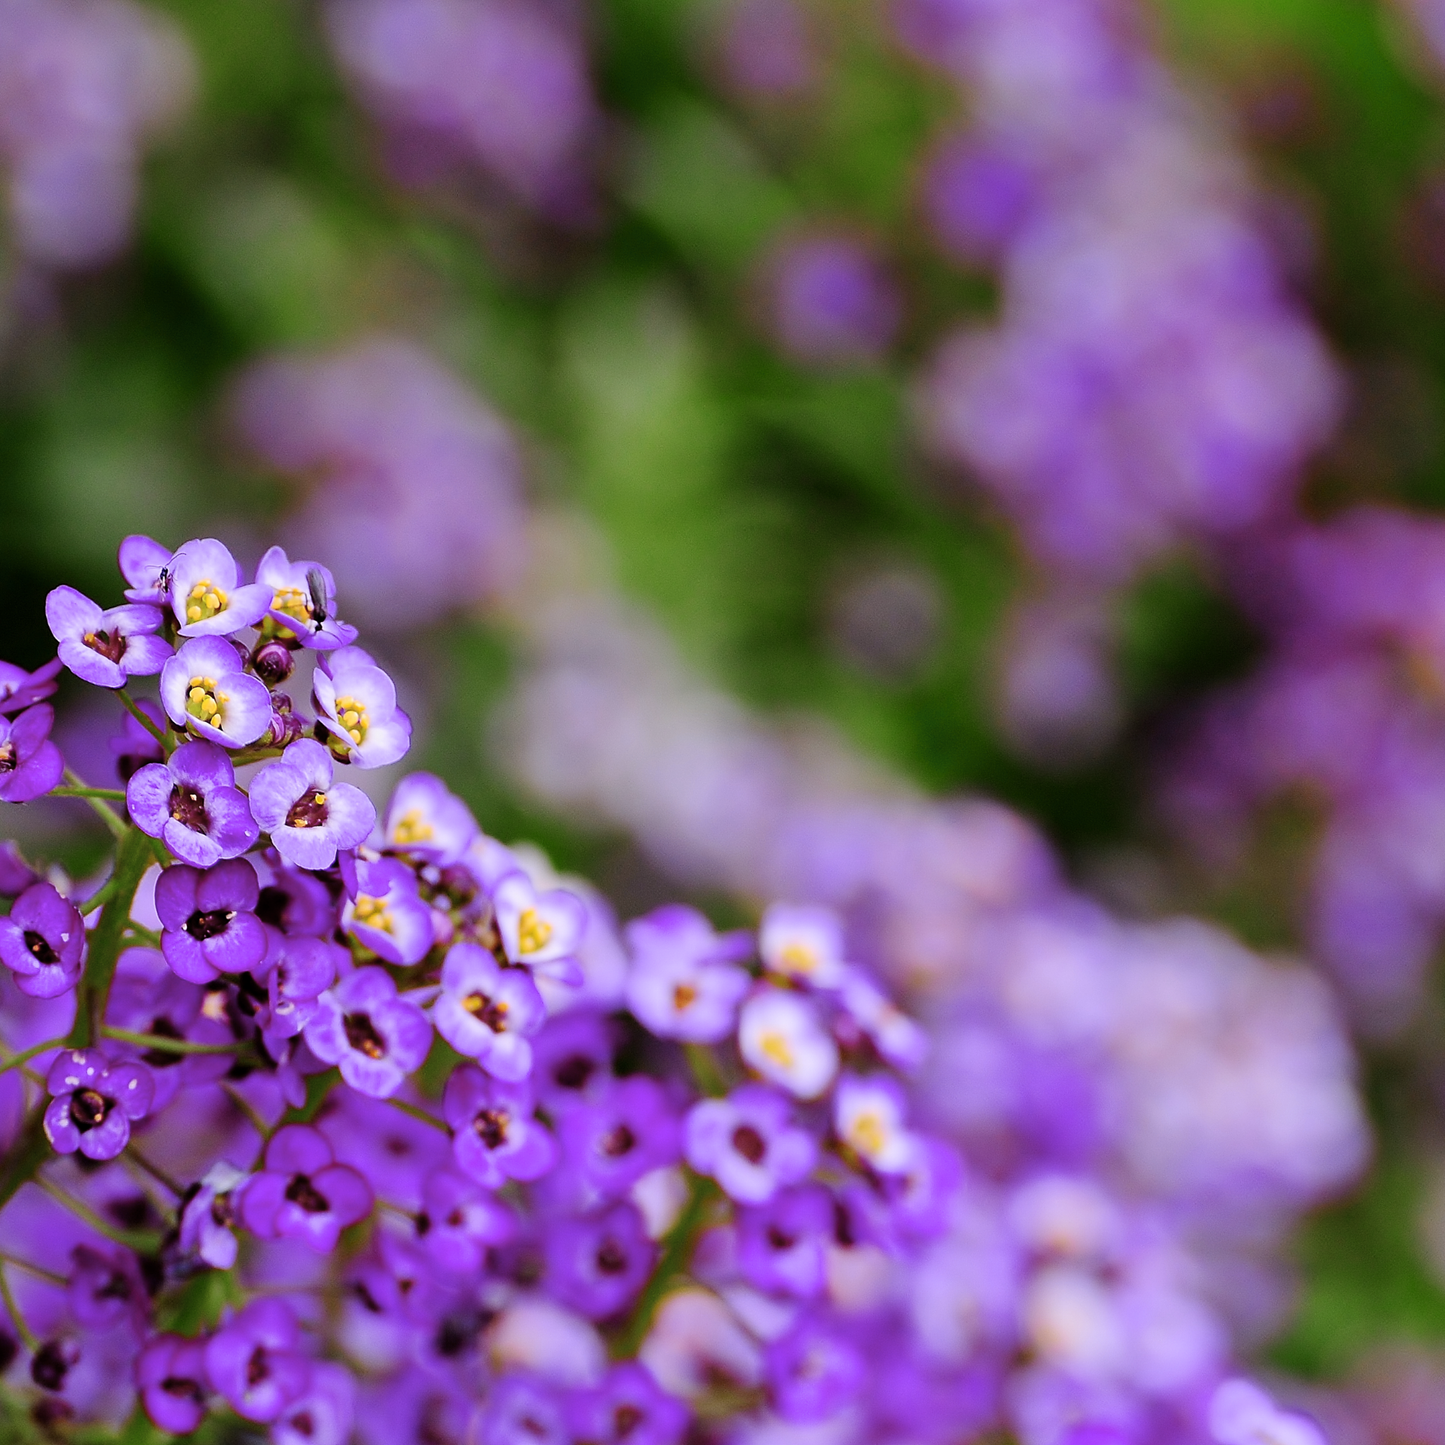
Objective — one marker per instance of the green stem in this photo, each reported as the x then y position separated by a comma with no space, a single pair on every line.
142,1241
165,1045
27,1336
132,858
419,1114
30,1151
115,795
15,1060
142,719
155,1171
148,937
705,1072
252,1117
95,899
103,811
48,1275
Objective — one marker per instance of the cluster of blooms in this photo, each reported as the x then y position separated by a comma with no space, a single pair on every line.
82,87
498,85
389,441
350,1125
1149,381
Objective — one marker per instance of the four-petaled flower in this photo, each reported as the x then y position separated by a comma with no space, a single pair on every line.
192,804
868,1115
308,816
206,592
30,764
685,981
210,920
356,703
105,647
376,1037
387,915
204,687
541,931
802,942
749,1143
302,1193
781,1036
598,1263
209,1216
495,1134
255,1362
486,1012
146,566
170,1374
41,942
20,689
427,820
292,614
93,1103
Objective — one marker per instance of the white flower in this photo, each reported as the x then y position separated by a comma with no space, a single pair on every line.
780,1036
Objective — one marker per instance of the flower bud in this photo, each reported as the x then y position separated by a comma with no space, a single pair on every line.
272,662
286,726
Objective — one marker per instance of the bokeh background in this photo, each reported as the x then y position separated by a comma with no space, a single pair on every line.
738,423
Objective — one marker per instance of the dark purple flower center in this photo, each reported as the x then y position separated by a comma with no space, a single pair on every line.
271,906
108,644
611,1257
491,1011
223,1212
303,1192
209,923
114,1286
780,1238
361,1034
88,1109
308,811
162,1028
491,1127
619,1141
40,948
574,1072
258,1368
302,1423
749,1143
50,1366
843,1230
183,1389
188,808
625,1419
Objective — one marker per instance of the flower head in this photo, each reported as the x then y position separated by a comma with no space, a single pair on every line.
308,816
376,1037
170,1373
20,689
192,804
206,593
749,1143
93,1103
781,1036
105,1288
209,919
387,915
630,1130
254,1361
541,931
782,1243
460,1221
302,1193
868,1115
42,941
598,1263
1240,1413
803,943
425,819
685,982
105,648
496,1136
30,764
356,703
206,688
323,1414
303,603
209,1215
487,1012
628,1408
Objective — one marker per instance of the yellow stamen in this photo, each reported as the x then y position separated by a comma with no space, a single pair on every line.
684,995
204,700
867,1134
777,1048
204,601
351,714
532,932
373,912
798,958
411,827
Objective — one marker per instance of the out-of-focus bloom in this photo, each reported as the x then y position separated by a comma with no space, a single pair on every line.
830,301
782,1243
497,1137
20,689
387,915
1240,1413
209,919
170,1373
93,1103
254,1361
781,1036
105,647
685,982
749,1143
323,1415
868,1115
425,819
208,1216
486,1012
307,813
376,1037
30,764
192,804
631,1130
42,940
802,943
540,931
628,1408
302,1193
598,1263
462,1220
204,687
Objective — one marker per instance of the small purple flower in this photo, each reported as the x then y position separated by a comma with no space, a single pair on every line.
898,1039
293,903
831,300
782,1244
170,1373
16,875
93,1103
685,982
632,1129
192,804
572,1060
41,942
460,1221
541,931
323,1415
209,1215
210,920
135,745
813,1372
803,943
629,1408
105,647
308,816
749,1143
868,1116
781,1037
376,1037
356,702
486,1012
105,1287
293,613
1240,1413
425,819
495,1136
206,592
598,1264
205,687
20,689
299,972
30,764
146,566
524,1410
302,1193
387,915
254,1361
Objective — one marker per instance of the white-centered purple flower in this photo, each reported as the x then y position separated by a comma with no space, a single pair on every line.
424,818
255,1362
540,931
42,942
802,942
495,1133
897,1039
207,594
20,689
356,703
206,688
30,764
170,1374
146,566
303,603
93,1103
1240,1413
781,1037
749,1143
105,647
192,804
209,1216
487,1012
324,1414
210,920
632,1129
685,982
387,914
376,1037
308,815
302,1193
869,1118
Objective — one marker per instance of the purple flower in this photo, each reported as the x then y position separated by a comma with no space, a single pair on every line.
782,1038
631,1129
254,1362
108,647
868,1115
425,819
749,1143
495,1136
387,915
19,689
598,1264
831,300
803,943
629,1408
170,1373
523,1410
210,1213
978,194
685,982
460,1221
192,804
105,1287
308,816
204,687
16,875
572,1060
356,702
209,919
93,1103
30,764
293,902
300,971
1240,1413
292,613
813,1372
41,942
323,1415
206,592
541,931
146,566
485,1012
782,1243
375,1037
898,1039
302,1193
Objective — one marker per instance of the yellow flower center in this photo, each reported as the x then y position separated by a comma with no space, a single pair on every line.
294,603
351,714
373,912
532,932
775,1047
204,601
684,995
204,700
867,1134
411,827
797,958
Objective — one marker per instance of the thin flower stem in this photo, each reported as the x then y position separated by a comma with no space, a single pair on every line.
391,1208
705,1072
419,1114
16,1060
148,936
143,1241
155,1171
114,795
141,718
102,809
48,1275
27,1335
165,1045
249,1110
95,900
